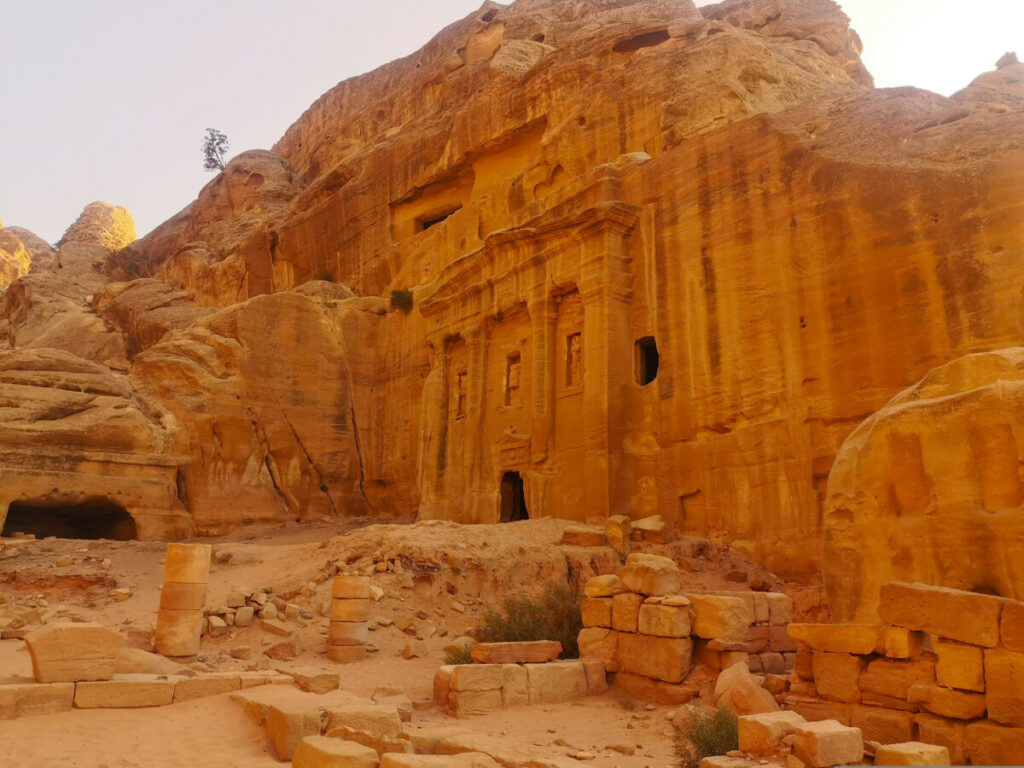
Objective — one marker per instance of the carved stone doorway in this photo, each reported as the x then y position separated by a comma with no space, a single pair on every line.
513,498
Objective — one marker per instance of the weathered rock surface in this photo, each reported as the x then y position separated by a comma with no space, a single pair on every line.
651,260
929,489
111,226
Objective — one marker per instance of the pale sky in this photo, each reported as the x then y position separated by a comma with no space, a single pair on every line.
109,99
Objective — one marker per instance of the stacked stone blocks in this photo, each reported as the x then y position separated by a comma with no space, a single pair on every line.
946,667
528,674
180,619
350,608
643,626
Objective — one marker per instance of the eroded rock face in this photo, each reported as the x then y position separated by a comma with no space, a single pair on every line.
929,488
646,260
75,441
268,394
111,226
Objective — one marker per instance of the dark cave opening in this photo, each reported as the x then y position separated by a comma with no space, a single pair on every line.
94,519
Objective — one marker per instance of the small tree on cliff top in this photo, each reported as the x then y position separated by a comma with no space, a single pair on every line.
215,146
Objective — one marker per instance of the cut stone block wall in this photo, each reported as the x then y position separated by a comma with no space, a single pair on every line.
944,667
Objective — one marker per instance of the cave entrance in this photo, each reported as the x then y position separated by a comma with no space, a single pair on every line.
513,498
95,519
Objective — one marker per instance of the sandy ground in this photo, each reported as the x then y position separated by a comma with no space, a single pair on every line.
446,574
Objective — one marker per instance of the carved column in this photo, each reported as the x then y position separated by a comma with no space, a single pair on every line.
478,493
435,427
606,289
544,317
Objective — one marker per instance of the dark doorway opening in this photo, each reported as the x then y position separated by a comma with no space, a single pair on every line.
513,498
647,361
96,519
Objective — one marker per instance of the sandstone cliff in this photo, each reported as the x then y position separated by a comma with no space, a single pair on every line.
660,260
929,488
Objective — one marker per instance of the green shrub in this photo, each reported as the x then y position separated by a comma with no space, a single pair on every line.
462,656
706,735
401,299
553,614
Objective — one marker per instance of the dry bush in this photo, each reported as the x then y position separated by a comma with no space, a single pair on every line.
553,614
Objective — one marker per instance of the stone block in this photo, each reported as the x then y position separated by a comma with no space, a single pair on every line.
950,734
596,611
602,644
37,698
350,609
862,639
464,703
886,726
664,620
382,722
656,691
779,640
893,678
285,649
837,675
803,666
187,563
966,616
583,536
814,709
959,665
989,743
597,677
69,652
721,618
378,744
206,685
325,752
903,643
739,692
394,697
652,528
244,616
869,699
827,743
347,633
346,654
762,734
346,586
287,725
556,681
535,651
662,658
1004,682
603,586
312,679
758,639
911,753
134,691
477,677
515,685
617,530
8,702
178,632
947,702
463,760
181,596
625,609
1011,628
780,608
651,575
773,663
443,683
